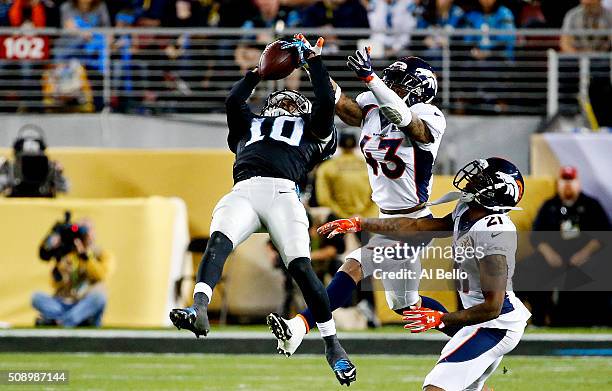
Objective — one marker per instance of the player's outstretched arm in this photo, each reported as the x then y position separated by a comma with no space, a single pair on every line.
396,227
391,105
322,118
493,277
238,113
347,108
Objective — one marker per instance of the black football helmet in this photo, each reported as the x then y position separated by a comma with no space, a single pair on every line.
414,76
494,183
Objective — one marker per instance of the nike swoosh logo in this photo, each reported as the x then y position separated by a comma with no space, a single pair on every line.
494,235
286,192
438,114
350,373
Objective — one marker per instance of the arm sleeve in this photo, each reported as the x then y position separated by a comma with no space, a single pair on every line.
322,118
239,114
391,105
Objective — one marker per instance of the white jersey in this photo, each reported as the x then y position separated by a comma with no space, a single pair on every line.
400,170
492,234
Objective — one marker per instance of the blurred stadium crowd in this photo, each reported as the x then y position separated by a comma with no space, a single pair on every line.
402,14
190,72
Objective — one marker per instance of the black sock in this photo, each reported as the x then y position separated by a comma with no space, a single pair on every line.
211,267
312,289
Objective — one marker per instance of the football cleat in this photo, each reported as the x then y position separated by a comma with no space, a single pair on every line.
193,319
345,371
338,360
289,333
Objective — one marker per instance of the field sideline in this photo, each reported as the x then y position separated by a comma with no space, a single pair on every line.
300,373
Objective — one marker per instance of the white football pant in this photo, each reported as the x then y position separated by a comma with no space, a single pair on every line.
262,202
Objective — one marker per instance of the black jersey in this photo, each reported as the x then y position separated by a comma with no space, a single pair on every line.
283,146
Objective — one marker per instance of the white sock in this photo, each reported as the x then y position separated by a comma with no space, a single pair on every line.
327,328
204,288
297,324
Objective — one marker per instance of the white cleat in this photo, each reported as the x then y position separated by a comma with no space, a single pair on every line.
289,333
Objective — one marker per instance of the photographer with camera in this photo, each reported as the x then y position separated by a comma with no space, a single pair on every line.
77,276
31,173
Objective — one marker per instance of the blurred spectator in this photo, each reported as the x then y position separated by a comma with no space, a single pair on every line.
398,15
345,171
5,6
531,16
268,13
77,276
491,16
66,88
576,217
184,13
588,15
151,13
441,13
335,13
28,13
85,15
32,173
125,69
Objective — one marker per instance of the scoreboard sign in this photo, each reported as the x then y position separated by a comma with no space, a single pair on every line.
24,47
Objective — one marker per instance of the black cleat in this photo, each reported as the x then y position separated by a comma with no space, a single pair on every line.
338,360
192,319
278,326
345,371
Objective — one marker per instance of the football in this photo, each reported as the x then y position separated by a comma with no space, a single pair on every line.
276,63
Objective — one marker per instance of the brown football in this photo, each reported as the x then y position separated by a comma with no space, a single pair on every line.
276,63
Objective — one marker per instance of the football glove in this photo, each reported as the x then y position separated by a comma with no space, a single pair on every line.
341,226
304,48
422,319
361,64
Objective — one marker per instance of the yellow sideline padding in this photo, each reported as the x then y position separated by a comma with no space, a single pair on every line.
537,190
202,177
138,231
199,176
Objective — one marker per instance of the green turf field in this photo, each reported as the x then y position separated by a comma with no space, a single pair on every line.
308,373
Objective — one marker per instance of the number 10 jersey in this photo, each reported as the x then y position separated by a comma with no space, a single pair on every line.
284,146
400,169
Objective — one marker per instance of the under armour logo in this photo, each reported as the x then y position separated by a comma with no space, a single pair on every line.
431,319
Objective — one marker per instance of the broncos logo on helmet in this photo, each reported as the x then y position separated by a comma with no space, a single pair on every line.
494,183
413,79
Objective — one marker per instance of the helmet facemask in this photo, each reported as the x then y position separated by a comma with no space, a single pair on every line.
479,186
286,102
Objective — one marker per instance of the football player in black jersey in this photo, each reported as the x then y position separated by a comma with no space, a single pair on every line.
274,150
